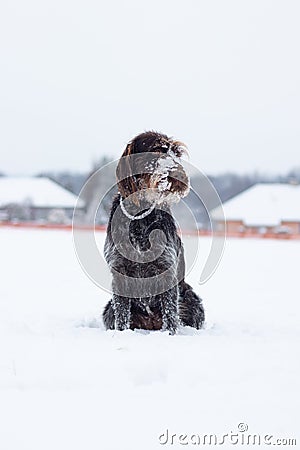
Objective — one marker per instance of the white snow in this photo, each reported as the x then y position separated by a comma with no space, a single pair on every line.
66,384
163,168
40,192
264,204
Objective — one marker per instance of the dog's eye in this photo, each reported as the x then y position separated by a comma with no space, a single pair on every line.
158,148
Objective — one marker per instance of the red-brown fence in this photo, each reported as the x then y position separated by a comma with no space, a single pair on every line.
48,226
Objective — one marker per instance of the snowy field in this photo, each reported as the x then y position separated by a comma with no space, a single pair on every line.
66,384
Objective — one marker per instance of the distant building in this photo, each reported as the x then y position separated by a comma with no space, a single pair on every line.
35,199
261,209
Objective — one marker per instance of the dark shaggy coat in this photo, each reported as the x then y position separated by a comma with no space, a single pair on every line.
177,305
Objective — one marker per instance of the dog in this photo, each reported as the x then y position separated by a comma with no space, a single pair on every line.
150,292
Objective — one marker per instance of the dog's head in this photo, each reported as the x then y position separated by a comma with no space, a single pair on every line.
151,165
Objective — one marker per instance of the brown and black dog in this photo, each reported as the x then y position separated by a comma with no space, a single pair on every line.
142,247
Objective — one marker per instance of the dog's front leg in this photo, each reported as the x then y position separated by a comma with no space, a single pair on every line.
191,310
169,307
121,307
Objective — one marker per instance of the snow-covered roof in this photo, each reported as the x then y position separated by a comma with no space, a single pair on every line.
263,205
40,192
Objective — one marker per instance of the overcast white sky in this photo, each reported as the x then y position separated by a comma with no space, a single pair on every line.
80,78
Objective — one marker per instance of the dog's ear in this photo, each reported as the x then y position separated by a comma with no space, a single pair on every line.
127,183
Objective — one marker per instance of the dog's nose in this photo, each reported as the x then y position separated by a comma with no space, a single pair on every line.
180,175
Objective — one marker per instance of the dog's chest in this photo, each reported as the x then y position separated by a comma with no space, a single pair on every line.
141,232
139,237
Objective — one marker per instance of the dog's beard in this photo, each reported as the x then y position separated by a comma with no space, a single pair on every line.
155,196
160,195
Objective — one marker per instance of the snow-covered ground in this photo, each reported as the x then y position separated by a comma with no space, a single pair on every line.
65,383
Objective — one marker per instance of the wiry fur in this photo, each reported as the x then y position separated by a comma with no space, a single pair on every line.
176,305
